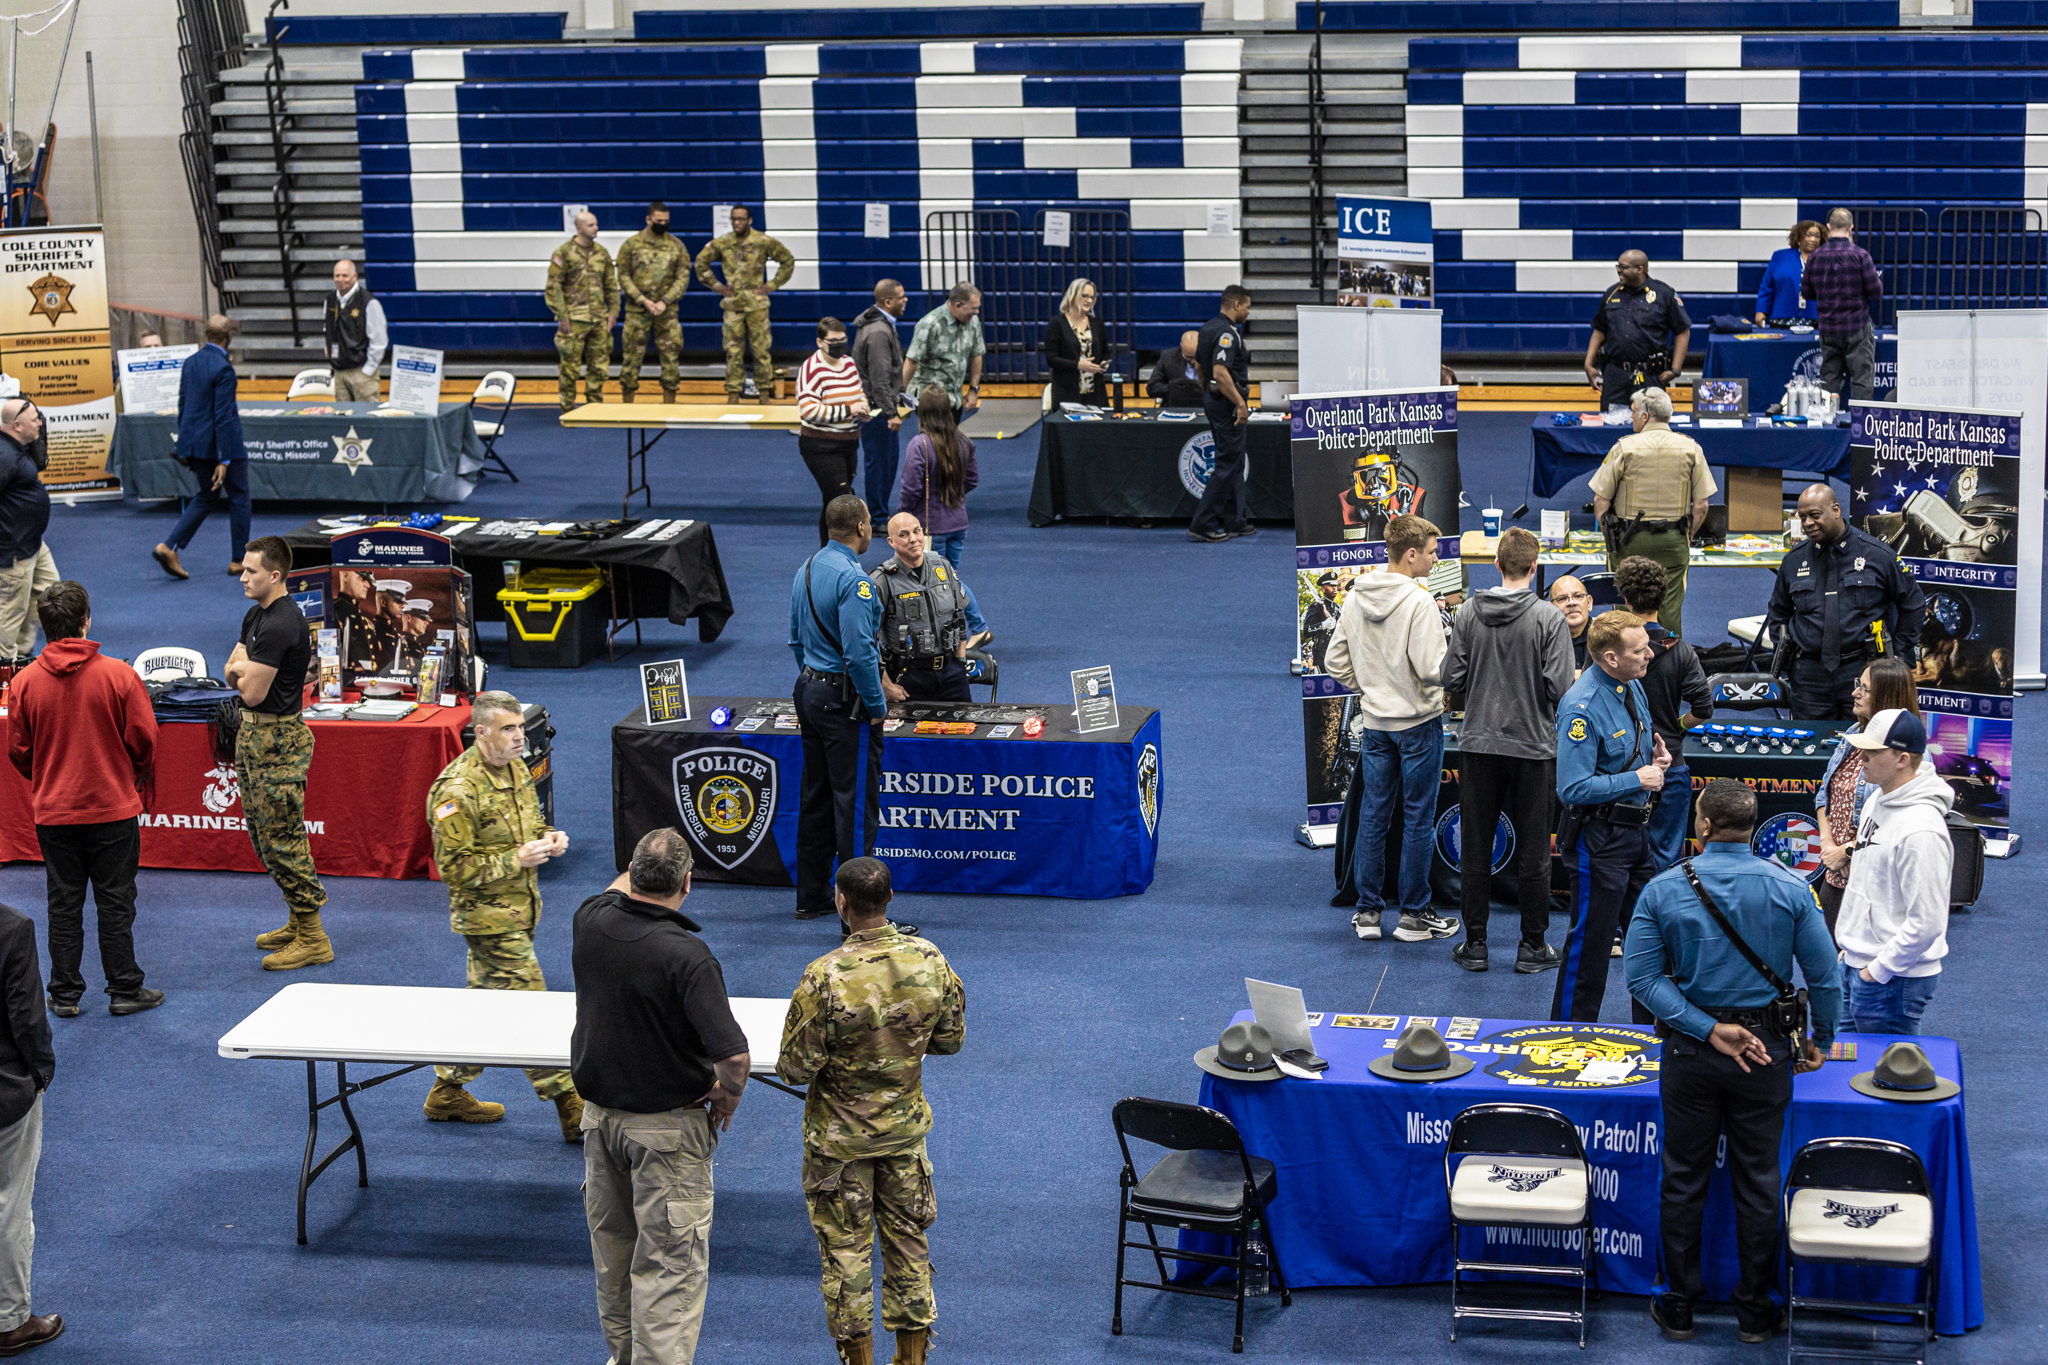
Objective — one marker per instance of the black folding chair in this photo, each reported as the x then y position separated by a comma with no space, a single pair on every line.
1519,1165
1601,588
1206,1182
982,670
1861,1202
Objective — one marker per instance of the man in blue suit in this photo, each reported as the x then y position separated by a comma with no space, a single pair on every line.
210,445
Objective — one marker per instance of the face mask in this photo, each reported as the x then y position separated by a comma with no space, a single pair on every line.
835,349
658,228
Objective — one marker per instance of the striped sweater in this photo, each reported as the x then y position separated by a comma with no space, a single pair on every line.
826,391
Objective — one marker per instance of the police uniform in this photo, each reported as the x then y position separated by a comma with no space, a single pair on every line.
1640,325
1825,602
1319,623
835,618
924,621
746,308
653,268
583,291
860,1024
1222,507
480,816
1684,969
1603,736
1653,477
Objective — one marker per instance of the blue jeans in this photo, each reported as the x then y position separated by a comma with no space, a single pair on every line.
1672,818
232,495
1893,1006
880,448
1404,766
948,547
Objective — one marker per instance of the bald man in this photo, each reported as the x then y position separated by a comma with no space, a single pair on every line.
924,619
210,445
26,569
1640,331
583,294
1569,595
1175,381
1842,599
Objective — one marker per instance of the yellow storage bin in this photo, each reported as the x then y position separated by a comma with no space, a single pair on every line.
554,618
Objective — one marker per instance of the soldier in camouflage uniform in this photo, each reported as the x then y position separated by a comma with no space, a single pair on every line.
654,270
488,839
746,254
583,294
859,1026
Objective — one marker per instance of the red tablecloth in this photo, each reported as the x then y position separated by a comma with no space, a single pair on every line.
366,799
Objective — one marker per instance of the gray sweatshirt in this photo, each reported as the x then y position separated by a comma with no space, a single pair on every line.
1511,655
878,351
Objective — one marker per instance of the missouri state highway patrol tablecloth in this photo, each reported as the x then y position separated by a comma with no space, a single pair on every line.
1150,469
994,812
1361,1200
315,452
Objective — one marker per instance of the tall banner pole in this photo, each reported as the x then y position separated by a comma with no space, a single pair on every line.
54,341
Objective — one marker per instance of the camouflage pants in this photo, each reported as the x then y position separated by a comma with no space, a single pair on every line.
747,326
668,348
505,962
270,768
585,352
848,1201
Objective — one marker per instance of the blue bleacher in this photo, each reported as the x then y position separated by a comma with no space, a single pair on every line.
812,25
1607,16
361,30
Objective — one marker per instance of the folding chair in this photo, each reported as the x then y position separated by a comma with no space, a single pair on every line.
1601,588
1206,1182
311,384
169,661
1862,1202
1519,1165
496,387
1752,634
982,670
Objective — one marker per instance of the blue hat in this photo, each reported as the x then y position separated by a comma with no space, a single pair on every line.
1893,729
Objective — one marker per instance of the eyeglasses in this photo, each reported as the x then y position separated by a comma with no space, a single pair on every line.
1575,597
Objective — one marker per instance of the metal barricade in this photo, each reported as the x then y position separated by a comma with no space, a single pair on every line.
1022,279
1987,258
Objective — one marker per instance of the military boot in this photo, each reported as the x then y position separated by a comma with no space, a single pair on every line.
668,395
309,946
856,1350
277,938
912,1345
448,1101
569,1108
629,395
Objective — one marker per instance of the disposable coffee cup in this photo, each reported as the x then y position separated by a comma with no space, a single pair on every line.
1493,518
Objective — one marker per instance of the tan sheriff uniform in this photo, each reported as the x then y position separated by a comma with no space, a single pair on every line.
1658,474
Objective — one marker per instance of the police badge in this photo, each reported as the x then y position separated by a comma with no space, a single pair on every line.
726,797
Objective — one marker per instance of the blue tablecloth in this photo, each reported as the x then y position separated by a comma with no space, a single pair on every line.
1558,455
1769,364
297,454
1361,1198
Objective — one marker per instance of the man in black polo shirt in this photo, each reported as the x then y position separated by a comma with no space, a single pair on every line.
1676,686
1640,332
660,1063
1225,370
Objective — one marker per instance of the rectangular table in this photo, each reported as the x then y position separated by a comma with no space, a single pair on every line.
1769,359
419,1026
1361,1200
1062,814
1151,470
638,420
1557,455
315,452
366,798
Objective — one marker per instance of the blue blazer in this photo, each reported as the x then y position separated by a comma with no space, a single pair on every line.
1778,295
209,423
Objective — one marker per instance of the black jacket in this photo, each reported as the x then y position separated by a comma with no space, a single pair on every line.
1170,383
1063,357
27,1061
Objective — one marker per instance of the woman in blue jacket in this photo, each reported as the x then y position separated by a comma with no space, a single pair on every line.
1778,296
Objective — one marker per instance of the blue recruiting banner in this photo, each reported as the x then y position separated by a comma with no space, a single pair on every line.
1386,252
1942,486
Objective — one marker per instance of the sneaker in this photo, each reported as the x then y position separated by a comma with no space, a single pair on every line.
144,999
1616,952
1246,530
1209,537
1427,925
68,1009
1756,1336
1366,924
1540,958
749,389
1470,956
1673,1319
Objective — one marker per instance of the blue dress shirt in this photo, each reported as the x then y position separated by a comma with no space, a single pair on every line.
852,613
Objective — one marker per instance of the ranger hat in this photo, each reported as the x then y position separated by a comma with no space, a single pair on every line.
1904,1074
1243,1053
1420,1054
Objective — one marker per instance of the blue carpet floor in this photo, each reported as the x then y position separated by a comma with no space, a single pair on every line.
165,1202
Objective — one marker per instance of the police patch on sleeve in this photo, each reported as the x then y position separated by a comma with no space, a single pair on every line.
446,809
1223,342
1576,731
864,590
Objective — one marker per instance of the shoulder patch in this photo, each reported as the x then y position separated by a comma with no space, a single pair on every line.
940,570
864,590
1576,731
446,809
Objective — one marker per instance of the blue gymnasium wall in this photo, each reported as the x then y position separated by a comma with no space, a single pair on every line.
469,155
1545,158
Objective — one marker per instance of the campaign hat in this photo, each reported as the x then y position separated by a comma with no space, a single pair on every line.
1905,1075
1420,1054
1243,1053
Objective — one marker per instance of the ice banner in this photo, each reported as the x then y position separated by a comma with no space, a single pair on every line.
1386,252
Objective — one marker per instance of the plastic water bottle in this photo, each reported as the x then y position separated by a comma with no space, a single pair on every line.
512,575
1259,1274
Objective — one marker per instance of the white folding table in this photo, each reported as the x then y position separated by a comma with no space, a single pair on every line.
419,1026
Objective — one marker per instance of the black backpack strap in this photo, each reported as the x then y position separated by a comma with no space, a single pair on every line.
1748,954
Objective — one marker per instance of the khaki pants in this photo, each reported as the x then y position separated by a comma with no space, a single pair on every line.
647,1198
21,1147
22,586
357,386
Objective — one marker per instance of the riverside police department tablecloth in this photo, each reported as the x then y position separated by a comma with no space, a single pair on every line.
315,452
994,812
1361,1199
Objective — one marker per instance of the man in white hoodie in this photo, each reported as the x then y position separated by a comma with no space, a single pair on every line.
1389,648
1893,928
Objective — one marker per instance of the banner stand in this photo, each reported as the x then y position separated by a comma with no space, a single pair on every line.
54,341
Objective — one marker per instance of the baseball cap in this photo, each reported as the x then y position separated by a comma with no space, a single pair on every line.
1896,728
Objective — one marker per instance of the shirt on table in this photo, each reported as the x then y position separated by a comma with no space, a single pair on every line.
278,637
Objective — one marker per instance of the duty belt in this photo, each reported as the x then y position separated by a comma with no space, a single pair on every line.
268,717
810,674
1626,813
923,663
1750,1017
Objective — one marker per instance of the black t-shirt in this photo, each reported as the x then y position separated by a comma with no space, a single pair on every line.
1222,344
1675,684
651,1012
278,636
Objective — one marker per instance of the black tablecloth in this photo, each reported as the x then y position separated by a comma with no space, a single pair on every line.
301,455
1147,469
678,578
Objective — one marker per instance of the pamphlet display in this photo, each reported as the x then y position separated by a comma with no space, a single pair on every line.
150,376
416,379
1094,700
391,613
665,692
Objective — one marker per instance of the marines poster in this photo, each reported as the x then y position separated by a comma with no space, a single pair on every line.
1942,487
54,341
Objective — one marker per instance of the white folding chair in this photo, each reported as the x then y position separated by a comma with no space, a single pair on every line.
496,387
1860,1201
317,383
169,661
1519,1165
1753,635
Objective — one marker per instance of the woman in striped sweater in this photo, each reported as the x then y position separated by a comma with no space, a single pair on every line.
830,406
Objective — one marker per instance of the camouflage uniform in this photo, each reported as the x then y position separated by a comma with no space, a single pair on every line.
652,268
746,311
270,769
859,1026
583,290
479,817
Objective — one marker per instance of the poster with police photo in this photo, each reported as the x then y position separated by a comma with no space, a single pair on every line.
1386,252
1942,487
1360,460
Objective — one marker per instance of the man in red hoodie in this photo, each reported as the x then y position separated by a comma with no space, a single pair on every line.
82,731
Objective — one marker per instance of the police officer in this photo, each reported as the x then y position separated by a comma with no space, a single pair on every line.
1650,494
744,302
924,619
488,840
1610,770
583,294
654,271
1640,332
1319,620
835,618
1729,1054
1225,367
860,1024
1842,599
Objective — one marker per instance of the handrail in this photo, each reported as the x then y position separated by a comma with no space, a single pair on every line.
280,189
1316,263
209,42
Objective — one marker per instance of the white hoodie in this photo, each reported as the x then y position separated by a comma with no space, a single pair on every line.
1894,917
1389,648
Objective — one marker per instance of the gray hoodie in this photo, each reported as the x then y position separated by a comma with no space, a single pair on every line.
878,353
1389,648
1511,655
